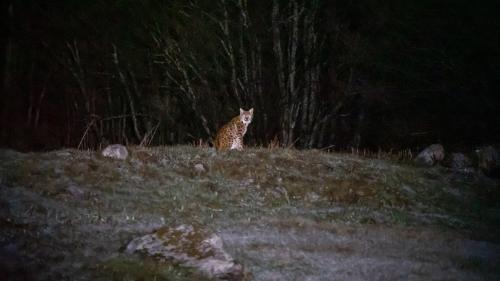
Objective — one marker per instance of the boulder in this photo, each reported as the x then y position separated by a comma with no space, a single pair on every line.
199,168
431,155
488,160
192,247
75,191
458,161
116,151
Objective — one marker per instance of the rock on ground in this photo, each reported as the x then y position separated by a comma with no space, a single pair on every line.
431,155
199,168
75,191
458,161
191,247
488,160
116,151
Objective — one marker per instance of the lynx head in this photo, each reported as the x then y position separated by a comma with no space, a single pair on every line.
246,116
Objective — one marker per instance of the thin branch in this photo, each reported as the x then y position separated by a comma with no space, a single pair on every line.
127,92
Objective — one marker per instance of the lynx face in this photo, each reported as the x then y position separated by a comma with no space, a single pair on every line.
246,116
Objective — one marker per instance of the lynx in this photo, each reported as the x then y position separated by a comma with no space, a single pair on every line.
230,136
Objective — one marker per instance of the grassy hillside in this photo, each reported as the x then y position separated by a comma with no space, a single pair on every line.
284,214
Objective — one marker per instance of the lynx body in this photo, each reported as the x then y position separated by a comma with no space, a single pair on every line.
230,136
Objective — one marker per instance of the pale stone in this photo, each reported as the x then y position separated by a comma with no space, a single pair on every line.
199,168
488,160
116,151
191,247
431,155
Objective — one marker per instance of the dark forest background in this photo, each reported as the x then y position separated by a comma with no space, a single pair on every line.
368,74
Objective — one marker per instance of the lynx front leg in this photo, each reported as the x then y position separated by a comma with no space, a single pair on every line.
237,144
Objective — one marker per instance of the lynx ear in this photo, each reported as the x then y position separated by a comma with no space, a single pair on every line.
251,111
241,111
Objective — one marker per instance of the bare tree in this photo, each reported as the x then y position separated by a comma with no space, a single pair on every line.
128,93
300,110
182,69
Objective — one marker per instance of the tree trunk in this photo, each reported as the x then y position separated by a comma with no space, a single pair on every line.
280,70
126,88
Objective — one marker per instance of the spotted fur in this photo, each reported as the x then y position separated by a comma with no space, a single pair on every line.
230,136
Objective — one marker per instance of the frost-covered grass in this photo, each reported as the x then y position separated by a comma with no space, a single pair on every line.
285,214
